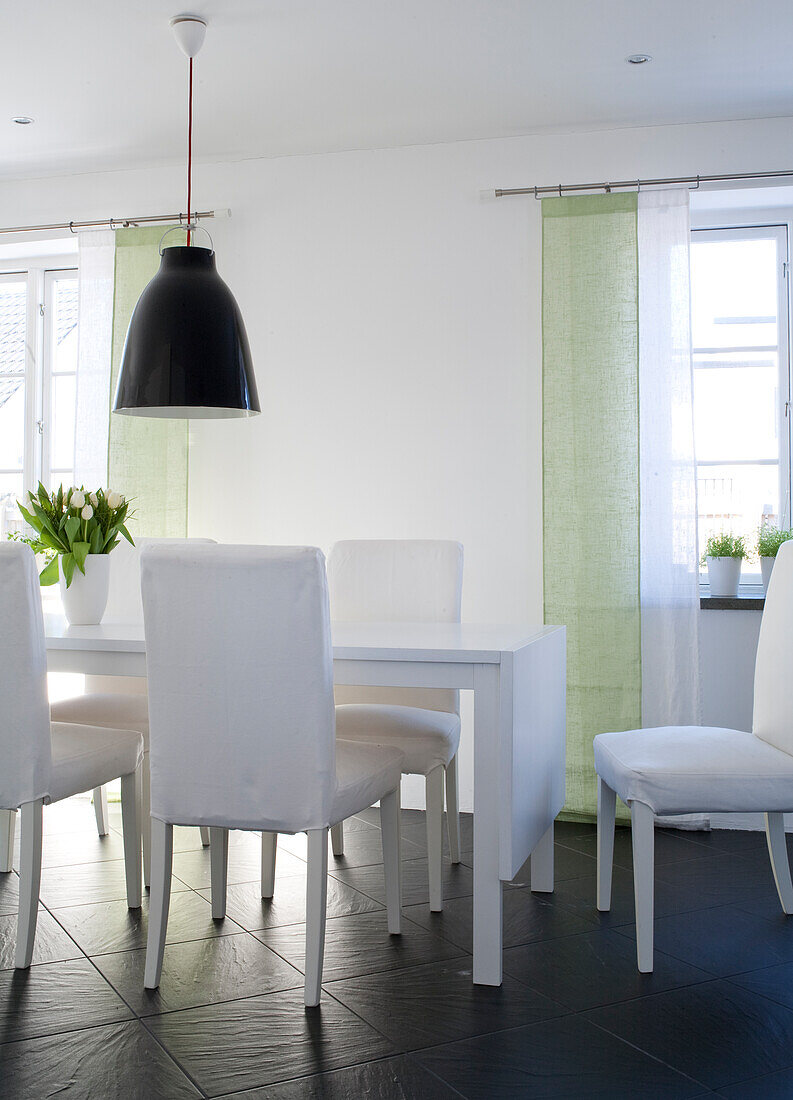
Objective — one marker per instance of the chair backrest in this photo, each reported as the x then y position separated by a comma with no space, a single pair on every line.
773,674
25,736
124,603
240,672
397,580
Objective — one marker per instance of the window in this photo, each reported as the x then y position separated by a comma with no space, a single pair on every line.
741,363
38,375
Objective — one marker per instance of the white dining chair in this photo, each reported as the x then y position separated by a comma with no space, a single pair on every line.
121,702
242,723
43,761
399,580
702,769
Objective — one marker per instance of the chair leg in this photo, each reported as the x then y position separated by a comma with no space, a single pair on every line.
453,810
219,870
145,818
434,800
316,903
8,821
337,839
131,830
159,899
643,838
269,851
100,809
607,808
777,850
204,836
29,882
389,826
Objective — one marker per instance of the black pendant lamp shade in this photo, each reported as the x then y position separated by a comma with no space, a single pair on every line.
186,352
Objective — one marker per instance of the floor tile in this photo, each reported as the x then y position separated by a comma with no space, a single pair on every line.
724,940
361,944
527,917
739,841
725,879
246,1044
595,968
87,883
563,1059
580,895
715,1032
245,865
671,845
567,863
458,881
110,926
55,997
66,849
9,892
438,1003
99,1063
52,944
200,972
774,1086
774,982
399,1078
416,833
248,908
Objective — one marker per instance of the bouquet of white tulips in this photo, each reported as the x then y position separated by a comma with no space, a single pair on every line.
70,524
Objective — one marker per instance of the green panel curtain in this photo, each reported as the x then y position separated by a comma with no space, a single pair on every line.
591,468
147,458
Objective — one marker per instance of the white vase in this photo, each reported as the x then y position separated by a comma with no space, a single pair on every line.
724,575
85,600
766,565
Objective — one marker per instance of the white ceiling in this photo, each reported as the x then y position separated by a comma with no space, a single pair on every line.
105,81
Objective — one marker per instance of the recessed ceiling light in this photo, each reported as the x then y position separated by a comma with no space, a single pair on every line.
638,59
22,120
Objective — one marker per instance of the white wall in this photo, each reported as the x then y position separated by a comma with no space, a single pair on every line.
394,317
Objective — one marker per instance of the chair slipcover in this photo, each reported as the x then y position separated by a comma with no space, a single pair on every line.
39,759
240,671
427,738
688,769
393,580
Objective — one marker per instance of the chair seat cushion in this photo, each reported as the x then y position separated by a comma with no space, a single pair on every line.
84,757
364,774
120,712
427,738
695,769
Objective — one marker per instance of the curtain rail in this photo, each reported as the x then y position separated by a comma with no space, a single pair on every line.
691,181
116,223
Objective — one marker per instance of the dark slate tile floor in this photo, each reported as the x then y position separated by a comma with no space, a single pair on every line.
400,1018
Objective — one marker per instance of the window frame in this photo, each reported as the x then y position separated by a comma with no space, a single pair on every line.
756,225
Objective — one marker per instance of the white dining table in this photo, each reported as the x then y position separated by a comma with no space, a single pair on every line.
517,675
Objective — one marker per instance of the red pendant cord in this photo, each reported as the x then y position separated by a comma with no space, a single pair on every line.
189,149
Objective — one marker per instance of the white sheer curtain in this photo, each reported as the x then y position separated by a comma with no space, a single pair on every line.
97,252
668,497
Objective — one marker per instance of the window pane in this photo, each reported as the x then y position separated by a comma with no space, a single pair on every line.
12,423
736,411
63,311
12,326
737,498
734,292
10,493
64,388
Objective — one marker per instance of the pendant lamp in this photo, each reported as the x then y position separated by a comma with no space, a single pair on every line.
186,353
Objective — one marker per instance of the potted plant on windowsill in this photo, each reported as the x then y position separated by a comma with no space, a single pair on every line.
78,529
723,555
769,539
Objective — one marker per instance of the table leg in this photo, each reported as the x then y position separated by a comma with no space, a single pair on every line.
542,864
488,930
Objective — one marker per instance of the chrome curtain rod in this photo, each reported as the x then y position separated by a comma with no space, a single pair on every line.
692,181
114,223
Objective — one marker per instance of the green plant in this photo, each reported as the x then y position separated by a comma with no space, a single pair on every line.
725,545
769,539
70,524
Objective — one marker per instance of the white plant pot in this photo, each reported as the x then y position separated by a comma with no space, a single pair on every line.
85,600
766,565
724,575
